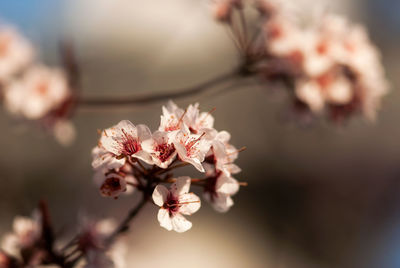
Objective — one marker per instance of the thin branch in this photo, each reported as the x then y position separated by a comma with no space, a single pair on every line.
70,64
244,29
152,98
124,225
162,171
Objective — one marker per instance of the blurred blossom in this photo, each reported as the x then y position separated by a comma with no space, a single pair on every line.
328,63
331,63
64,132
40,91
93,243
26,233
16,53
43,95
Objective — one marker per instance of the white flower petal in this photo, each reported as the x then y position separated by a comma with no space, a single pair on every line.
143,132
160,195
180,224
181,186
190,203
127,127
164,219
227,185
145,156
223,136
220,202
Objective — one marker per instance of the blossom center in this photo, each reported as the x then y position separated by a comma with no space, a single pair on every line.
191,145
42,88
165,150
130,144
322,48
172,204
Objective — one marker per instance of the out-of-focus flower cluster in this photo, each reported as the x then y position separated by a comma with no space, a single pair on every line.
31,90
32,243
24,244
329,65
93,242
133,157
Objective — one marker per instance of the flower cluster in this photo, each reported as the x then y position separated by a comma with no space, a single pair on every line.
93,242
33,243
133,157
330,64
24,243
31,90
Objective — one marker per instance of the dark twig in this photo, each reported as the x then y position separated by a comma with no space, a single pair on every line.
151,98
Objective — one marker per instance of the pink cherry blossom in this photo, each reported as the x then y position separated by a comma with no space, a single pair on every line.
198,122
125,140
40,91
110,173
161,148
220,187
175,202
172,118
192,148
105,160
222,155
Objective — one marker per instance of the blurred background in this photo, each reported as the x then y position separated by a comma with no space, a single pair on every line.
321,196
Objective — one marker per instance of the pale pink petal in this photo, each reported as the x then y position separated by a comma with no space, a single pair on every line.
223,136
181,186
110,142
145,156
180,224
190,203
222,202
227,185
195,162
143,132
103,159
148,145
160,195
181,150
232,168
164,219
128,128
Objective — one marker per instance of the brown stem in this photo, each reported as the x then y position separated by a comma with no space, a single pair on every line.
48,234
122,228
151,98
71,65
144,170
162,171
244,28
124,225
